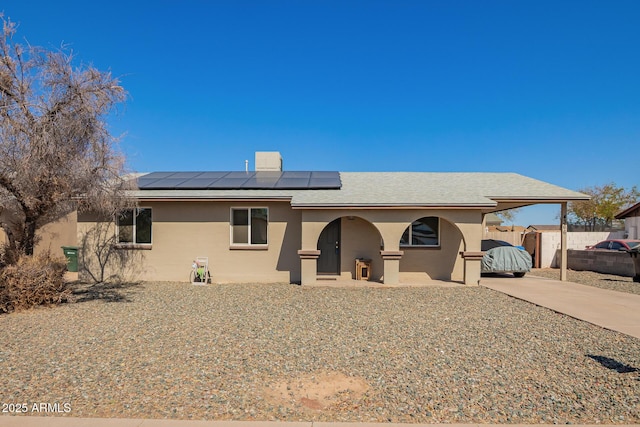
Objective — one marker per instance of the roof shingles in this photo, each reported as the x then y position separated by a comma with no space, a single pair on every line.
371,189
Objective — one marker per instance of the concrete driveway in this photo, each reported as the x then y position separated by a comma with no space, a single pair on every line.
618,311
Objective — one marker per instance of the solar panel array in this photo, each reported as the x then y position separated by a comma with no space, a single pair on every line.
261,180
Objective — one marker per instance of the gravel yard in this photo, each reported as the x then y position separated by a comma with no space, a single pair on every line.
284,352
591,278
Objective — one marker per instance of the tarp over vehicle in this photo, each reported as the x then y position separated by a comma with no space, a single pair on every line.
507,259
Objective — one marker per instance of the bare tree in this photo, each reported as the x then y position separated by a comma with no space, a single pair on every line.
101,259
509,215
56,153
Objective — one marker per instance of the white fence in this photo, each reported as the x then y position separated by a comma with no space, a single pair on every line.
550,243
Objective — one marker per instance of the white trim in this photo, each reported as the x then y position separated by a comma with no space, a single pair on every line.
248,245
133,242
409,245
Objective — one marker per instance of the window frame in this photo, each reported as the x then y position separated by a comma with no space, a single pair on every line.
248,245
410,227
134,234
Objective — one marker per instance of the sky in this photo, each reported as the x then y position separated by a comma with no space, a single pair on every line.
547,89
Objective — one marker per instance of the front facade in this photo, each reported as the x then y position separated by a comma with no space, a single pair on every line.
300,227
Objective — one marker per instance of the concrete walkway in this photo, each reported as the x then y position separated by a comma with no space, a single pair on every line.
20,421
618,311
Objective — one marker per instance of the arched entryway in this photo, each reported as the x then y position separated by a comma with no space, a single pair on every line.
344,240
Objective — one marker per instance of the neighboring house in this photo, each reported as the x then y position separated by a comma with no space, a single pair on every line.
631,218
492,220
270,225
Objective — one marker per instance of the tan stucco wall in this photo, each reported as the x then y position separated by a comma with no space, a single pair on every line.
185,230
54,235
360,239
57,234
443,263
458,226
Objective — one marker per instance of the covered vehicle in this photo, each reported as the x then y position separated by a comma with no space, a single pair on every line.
503,257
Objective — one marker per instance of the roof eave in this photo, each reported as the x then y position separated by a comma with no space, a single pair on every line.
624,213
391,206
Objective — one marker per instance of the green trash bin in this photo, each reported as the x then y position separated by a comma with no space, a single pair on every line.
71,254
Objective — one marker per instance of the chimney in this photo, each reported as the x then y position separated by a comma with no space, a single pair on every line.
268,161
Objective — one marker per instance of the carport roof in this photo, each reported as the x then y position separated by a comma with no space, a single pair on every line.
395,189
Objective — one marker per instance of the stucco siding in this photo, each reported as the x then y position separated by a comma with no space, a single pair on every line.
54,235
182,231
632,226
443,263
360,239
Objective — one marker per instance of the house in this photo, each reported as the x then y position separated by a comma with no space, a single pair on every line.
492,220
631,218
271,225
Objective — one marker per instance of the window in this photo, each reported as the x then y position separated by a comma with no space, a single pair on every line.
249,226
423,232
616,246
134,226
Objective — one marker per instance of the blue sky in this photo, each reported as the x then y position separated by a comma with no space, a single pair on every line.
548,89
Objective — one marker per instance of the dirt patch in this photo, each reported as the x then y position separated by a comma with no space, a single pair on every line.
317,391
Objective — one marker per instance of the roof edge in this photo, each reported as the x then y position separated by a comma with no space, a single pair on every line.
624,213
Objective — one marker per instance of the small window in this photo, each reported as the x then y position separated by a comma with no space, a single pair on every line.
424,232
249,226
134,226
616,246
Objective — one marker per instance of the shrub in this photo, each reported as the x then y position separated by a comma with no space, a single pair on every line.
31,281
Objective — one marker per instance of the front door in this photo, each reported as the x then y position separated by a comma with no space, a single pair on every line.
329,246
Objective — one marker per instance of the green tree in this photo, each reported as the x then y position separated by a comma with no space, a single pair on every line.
606,201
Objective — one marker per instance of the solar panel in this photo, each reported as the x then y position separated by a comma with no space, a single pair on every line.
260,182
228,183
163,183
323,183
187,175
239,174
238,180
325,174
212,174
157,175
293,183
197,183
296,174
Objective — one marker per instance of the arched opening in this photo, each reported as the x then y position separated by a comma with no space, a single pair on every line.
432,247
346,239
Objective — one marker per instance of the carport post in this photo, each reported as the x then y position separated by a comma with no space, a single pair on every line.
563,241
